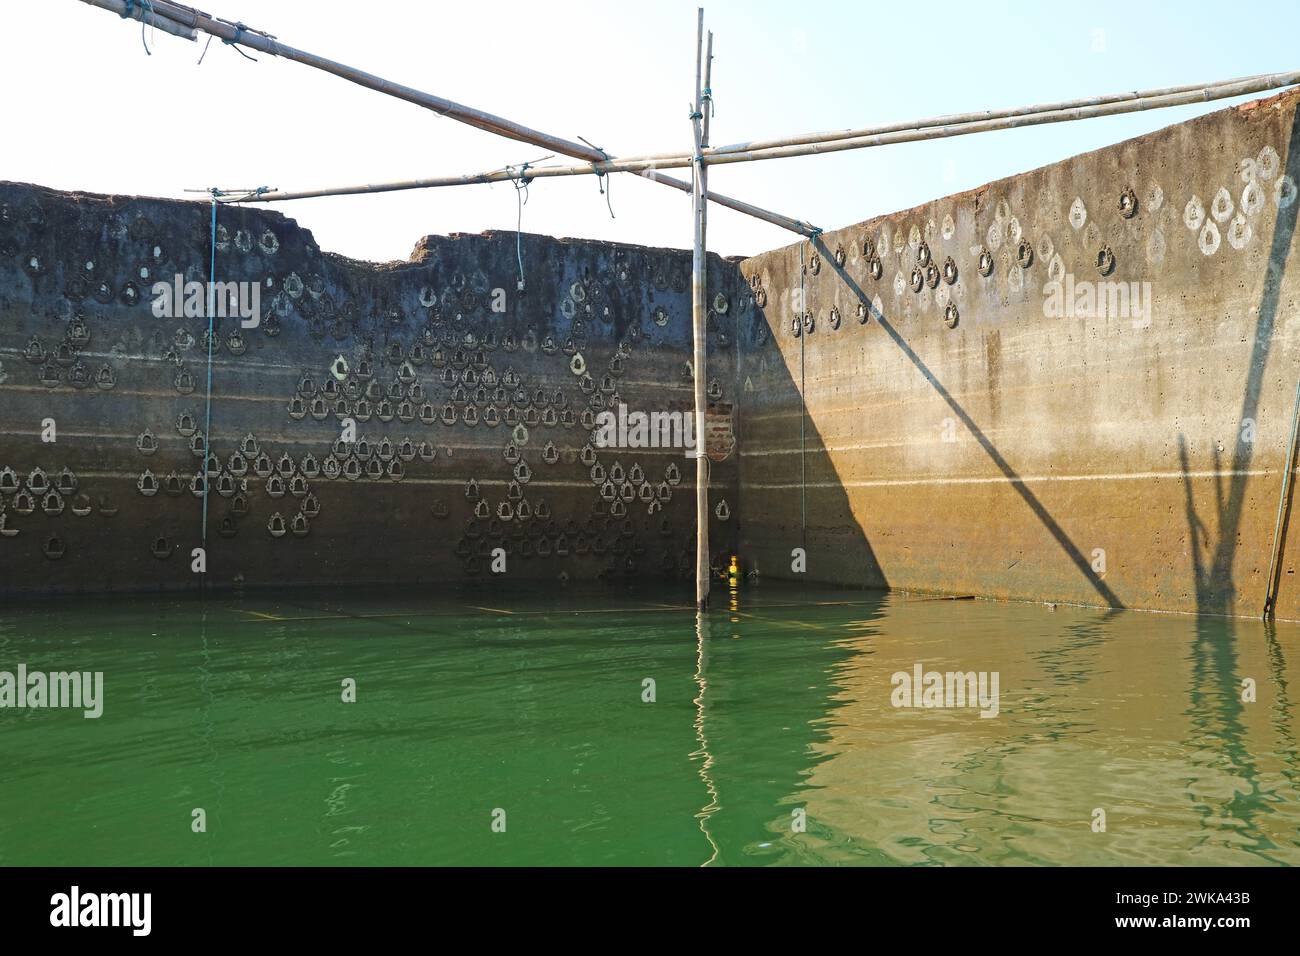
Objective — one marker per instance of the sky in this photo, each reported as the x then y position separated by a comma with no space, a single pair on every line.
86,108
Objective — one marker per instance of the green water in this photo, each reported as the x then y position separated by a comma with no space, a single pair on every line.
776,709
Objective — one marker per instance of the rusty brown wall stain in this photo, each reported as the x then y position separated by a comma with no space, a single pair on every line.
1096,457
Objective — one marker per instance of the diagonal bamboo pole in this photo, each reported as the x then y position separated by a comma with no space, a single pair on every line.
190,19
141,12
240,35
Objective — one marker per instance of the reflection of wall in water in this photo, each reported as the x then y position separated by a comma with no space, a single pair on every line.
1130,713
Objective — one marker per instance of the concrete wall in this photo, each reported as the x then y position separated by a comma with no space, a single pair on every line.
428,359
976,434
1126,458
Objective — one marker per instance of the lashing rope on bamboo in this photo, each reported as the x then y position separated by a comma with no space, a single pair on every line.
521,199
146,10
603,182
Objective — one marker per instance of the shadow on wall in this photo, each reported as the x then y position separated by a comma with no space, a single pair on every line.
799,481
1106,595
1215,588
798,523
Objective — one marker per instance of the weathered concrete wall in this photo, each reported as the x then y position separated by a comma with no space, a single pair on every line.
1032,451
942,420
473,424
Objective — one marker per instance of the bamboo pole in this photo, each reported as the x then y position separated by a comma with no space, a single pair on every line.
140,13
265,43
1203,95
699,313
234,33
505,174
649,166
719,156
758,212
1188,93
1283,510
706,97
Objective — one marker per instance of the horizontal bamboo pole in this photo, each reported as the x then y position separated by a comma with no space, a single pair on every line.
1197,92
647,165
1200,95
515,173
153,19
190,18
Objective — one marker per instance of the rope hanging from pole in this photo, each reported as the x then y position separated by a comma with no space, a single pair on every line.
212,313
603,183
146,10
240,29
217,196
521,199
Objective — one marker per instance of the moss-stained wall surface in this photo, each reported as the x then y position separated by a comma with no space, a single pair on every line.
1071,385
473,405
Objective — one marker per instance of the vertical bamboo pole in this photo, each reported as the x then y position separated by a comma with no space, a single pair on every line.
1283,506
699,368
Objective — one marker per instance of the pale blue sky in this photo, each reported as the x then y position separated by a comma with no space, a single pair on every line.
86,108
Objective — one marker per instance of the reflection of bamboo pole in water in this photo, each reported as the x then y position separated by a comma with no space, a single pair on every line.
206,700
701,635
1283,721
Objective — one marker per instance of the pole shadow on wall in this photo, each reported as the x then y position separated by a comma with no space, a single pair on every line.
815,451
790,492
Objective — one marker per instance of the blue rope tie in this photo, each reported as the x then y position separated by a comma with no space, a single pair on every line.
240,30
128,13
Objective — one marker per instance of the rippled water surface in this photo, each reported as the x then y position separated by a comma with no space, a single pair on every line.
775,709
